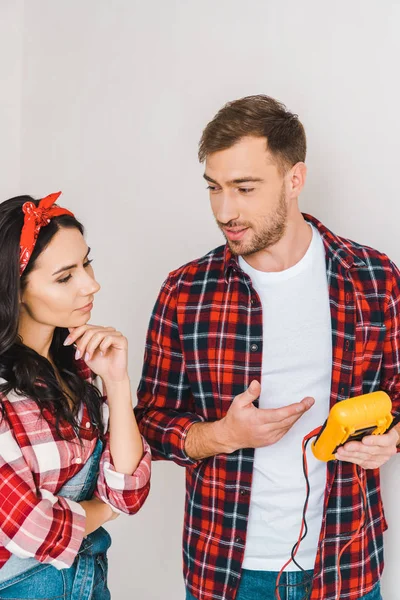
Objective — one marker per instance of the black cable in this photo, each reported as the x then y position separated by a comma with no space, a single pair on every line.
307,579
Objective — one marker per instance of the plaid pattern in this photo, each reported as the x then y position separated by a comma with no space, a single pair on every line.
35,464
204,346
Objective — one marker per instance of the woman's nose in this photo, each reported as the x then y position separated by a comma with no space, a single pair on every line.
91,286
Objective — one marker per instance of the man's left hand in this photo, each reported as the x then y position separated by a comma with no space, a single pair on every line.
372,452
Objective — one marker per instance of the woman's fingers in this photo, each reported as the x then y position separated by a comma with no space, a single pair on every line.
97,342
77,332
89,338
119,341
86,337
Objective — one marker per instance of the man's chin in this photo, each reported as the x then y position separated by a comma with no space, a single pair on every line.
235,249
240,249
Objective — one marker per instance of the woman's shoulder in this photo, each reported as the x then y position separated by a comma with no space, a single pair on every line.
10,394
14,399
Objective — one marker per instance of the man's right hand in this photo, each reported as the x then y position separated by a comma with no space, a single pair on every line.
245,426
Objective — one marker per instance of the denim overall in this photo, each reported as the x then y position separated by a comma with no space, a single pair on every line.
86,579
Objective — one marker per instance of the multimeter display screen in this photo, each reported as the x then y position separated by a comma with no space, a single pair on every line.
358,435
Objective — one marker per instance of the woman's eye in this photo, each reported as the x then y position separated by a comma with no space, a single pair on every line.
68,277
65,279
212,188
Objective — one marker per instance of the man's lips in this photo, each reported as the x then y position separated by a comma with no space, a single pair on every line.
236,233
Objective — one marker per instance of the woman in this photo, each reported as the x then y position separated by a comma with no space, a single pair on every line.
69,461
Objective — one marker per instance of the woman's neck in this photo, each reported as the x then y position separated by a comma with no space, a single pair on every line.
35,335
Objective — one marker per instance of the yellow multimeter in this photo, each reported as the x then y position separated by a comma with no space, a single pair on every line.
351,420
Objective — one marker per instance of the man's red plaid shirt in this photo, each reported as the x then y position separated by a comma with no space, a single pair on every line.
204,346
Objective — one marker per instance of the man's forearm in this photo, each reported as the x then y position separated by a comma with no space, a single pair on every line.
207,439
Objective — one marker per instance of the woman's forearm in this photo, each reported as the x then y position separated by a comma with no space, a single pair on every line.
97,513
126,445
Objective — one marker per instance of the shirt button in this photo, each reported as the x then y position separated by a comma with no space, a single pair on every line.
347,345
254,347
78,461
348,297
238,540
87,425
243,492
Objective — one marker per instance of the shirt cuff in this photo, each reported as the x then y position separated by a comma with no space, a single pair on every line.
183,427
120,481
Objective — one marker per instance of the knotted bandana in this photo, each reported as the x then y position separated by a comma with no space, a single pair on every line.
37,217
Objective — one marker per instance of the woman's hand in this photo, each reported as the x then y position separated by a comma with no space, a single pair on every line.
104,350
97,513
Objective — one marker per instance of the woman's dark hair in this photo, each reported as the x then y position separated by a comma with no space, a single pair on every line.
26,372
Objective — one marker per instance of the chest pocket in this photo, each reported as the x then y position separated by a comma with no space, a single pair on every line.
373,337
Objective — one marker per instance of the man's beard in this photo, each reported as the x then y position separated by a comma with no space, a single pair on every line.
270,232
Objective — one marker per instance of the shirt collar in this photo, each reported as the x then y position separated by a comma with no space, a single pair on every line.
336,248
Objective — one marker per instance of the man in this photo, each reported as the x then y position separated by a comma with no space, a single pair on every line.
247,349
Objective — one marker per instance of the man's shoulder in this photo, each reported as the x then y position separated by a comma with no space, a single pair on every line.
371,257
350,251
210,265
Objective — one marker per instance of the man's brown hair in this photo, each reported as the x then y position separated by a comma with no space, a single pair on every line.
259,116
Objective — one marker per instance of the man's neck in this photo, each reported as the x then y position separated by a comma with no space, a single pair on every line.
287,252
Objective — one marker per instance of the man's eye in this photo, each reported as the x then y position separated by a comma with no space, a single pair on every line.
246,190
212,188
88,262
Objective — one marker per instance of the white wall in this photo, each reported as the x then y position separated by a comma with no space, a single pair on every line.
11,47
114,97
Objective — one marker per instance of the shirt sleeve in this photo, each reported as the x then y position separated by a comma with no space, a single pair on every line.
125,493
390,371
34,523
165,410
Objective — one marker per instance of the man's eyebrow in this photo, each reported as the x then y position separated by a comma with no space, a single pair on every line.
68,267
248,179
207,178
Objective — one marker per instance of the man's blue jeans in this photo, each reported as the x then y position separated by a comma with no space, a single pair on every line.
260,585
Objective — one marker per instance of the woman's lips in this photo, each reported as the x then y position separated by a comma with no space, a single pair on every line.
235,234
86,308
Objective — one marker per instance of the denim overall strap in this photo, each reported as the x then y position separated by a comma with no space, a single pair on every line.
83,484
79,488
94,544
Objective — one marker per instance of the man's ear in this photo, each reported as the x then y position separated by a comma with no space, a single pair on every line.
297,179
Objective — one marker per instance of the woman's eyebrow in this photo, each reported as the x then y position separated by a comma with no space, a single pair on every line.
70,266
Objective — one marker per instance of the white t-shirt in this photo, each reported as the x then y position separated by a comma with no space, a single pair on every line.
296,362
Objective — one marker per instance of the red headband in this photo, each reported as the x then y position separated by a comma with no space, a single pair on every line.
37,217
